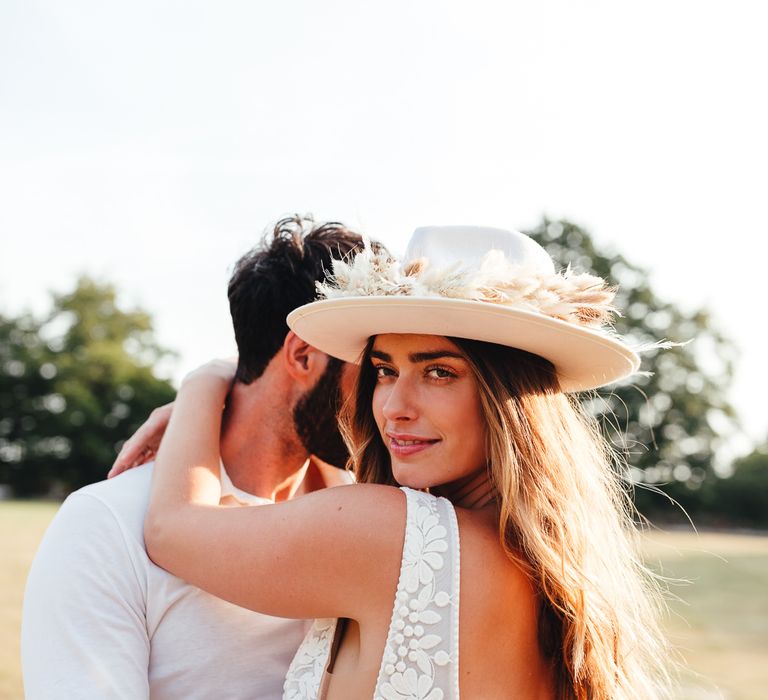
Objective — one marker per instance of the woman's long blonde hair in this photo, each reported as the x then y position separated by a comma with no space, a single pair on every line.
564,517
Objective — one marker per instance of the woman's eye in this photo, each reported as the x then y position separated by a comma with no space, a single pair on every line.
440,373
382,371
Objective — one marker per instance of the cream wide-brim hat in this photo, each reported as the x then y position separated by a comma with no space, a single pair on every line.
471,282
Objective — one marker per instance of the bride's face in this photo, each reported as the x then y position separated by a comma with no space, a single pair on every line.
427,407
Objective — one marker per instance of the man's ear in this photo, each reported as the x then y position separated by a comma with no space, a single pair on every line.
304,362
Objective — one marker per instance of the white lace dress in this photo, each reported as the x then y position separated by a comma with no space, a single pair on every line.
421,656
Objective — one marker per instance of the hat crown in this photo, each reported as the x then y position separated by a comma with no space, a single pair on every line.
465,246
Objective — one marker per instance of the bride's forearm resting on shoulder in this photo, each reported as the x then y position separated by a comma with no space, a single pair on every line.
186,475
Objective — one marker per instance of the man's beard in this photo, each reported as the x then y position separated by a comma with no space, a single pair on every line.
314,417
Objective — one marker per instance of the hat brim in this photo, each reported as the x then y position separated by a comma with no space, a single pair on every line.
583,358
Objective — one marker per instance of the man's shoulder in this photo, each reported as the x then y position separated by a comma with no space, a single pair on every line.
124,498
129,490
99,527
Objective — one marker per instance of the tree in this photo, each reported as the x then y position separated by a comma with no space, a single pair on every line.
742,498
670,422
25,383
74,384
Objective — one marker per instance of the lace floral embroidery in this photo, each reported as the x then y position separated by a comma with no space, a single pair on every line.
306,670
418,657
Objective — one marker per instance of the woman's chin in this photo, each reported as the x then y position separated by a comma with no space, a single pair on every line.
411,477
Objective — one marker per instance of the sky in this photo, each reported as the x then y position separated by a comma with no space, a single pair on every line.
150,143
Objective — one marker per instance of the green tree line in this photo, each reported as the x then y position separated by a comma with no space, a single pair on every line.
73,385
669,424
77,381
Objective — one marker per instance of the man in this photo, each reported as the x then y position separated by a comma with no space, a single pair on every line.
100,619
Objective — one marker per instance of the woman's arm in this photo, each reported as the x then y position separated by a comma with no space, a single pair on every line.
187,465
330,554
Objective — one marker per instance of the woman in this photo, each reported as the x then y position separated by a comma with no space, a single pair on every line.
467,353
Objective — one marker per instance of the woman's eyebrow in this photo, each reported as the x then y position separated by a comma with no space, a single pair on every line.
427,356
418,356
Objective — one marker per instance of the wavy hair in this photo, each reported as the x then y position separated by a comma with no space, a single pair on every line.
564,517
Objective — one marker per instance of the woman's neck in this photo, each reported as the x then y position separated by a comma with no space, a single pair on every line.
472,492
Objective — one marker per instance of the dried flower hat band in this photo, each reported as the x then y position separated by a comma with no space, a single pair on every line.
578,298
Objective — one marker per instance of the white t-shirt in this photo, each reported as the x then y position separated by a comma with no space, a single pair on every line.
101,621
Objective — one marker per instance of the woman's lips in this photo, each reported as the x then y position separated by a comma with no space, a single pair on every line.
405,446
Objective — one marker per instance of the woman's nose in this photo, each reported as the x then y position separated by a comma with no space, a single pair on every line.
400,403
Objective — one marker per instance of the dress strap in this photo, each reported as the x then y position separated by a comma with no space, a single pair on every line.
421,656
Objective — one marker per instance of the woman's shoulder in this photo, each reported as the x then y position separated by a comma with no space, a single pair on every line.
375,509
482,549
364,493
380,497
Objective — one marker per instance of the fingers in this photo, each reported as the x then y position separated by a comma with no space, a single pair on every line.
131,455
133,449
142,446
134,456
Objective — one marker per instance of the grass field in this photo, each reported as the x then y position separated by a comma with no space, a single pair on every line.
719,622
22,524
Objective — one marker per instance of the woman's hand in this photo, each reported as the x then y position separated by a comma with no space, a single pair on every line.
142,446
217,374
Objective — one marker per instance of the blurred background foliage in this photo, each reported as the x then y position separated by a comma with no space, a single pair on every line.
672,425
78,381
73,385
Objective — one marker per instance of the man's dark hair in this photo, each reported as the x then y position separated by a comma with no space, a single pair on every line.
277,277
